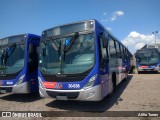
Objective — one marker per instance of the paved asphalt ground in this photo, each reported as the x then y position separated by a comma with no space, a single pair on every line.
139,94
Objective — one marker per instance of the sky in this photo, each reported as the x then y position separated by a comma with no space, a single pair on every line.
131,21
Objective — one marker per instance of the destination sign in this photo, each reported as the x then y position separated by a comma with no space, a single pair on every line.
70,28
12,39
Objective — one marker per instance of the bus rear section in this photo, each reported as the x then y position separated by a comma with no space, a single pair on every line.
74,62
148,59
19,63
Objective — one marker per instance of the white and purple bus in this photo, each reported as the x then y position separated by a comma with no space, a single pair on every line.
148,59
19,63
81,61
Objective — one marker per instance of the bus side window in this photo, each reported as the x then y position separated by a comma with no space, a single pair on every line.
32,58
126,51
118,50
103,51
122,53
112,48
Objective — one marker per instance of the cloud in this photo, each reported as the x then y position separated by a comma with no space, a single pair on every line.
119,13
134,34
116,15
135,40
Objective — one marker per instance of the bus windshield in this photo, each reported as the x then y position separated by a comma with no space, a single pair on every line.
11,58
148,57
68,55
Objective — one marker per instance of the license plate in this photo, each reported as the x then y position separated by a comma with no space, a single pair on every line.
61,97
147,70
3,91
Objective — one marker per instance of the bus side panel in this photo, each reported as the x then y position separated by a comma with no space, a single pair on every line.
33,81
104,80
32,63
103,72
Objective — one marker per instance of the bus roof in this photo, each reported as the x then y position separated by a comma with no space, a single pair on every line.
89,27
147,50
15,38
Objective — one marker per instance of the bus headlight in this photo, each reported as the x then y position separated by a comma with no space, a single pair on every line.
157,67
91,82
40,83
20,79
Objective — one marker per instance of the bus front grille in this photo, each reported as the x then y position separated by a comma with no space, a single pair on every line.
7,89
69,95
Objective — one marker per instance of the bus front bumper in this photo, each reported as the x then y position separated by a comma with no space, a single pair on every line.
4,89
148,69
91,94
21,88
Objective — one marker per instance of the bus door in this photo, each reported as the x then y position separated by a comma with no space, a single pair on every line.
118,63
123,65
104,68
120,70
33,64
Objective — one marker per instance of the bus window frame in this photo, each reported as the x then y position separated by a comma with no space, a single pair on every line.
30,60
111,39
103,57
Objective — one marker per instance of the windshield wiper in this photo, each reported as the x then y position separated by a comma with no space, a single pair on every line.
67,47
57,47
6,54
59,51
72,40
3,59
11,49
